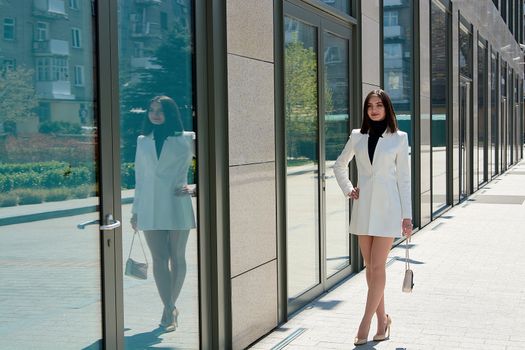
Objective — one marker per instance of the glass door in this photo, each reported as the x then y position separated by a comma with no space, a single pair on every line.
51,241
158,173
317,99
336,120
302,156
464,146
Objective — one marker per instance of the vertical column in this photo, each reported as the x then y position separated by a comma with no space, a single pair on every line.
253,237
425,146
371,49
454,126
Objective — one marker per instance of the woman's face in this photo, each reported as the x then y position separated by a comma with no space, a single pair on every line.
155,114
376,109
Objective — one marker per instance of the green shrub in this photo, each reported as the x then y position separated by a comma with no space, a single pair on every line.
59,127
39,167
26,196
83,191
8,200
127,175
57,194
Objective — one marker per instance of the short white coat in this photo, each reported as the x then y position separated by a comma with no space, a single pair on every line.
158,202
384,186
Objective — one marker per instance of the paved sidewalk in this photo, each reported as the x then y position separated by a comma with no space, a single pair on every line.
469,293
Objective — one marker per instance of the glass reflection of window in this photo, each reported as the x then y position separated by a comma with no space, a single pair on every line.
76,40
397,58
73,4
465,51
79,75
391,18
341,5
439,93
41,33
9,28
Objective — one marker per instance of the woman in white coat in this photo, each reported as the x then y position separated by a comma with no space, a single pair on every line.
382,207
162,205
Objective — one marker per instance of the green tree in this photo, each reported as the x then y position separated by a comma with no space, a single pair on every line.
301,106
301,96
171,75
17,95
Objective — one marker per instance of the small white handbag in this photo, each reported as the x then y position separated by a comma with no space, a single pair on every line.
408,281
134,268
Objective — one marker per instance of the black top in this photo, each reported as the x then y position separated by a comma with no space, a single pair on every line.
374,133
160,134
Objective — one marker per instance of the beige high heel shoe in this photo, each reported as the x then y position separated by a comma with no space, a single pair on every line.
358,341
172,326
386,335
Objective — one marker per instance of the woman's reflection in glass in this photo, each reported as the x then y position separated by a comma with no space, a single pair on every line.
162,205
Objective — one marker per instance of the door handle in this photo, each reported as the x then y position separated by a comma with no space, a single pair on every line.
111,223
84,224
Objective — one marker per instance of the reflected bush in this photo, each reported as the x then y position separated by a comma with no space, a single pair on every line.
59,127
57,195
30,196
33,196
44,175
8,200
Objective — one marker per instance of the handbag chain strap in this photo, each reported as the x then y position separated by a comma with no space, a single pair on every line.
407,256
137,233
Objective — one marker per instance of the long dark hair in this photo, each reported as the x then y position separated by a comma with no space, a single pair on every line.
173,120
390,115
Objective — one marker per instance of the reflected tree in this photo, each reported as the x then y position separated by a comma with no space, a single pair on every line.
170,74
301,107
17,95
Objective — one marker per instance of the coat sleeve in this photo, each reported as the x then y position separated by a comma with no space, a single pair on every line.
341,167
138,177
404,183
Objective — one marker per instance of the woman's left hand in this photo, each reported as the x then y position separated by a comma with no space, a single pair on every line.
407,228
186,191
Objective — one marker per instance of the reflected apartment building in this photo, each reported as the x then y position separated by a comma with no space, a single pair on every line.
247,223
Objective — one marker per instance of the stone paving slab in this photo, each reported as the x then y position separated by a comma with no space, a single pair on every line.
469,285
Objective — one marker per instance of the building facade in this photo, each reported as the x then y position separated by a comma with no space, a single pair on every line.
264,93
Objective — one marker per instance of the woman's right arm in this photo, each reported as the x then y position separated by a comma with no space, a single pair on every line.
341,167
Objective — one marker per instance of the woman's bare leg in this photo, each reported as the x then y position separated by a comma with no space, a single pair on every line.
378,253
365,245
177,246
158,244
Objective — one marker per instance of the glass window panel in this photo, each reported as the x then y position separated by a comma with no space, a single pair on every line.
465,51
439,59
159,171
336,102
397,60
341,5
494,115
302,162
482,113
50,270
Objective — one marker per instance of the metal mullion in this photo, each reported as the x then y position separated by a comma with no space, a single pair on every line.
206,310
321,112
280,161
106,166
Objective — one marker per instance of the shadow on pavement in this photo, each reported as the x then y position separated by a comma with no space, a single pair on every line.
139,341
143,340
